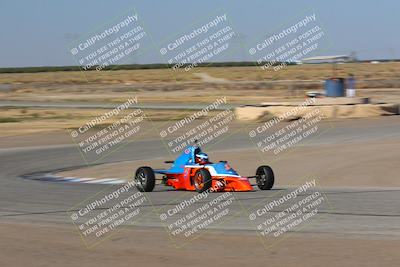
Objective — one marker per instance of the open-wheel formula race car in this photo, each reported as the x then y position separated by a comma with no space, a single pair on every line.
192,171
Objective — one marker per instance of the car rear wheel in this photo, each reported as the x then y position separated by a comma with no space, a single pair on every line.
265,177
145,179
202,180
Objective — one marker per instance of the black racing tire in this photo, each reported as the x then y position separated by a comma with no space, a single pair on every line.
265,177
145,179
202,180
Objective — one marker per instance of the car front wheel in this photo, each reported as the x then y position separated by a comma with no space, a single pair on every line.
265,177
145,179
202,180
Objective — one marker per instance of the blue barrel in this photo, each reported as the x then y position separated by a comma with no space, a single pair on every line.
334,87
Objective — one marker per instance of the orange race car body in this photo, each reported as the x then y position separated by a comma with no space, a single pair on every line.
186,174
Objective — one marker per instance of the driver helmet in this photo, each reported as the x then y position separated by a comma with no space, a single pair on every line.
201,158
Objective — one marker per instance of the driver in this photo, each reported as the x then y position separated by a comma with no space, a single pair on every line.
201,158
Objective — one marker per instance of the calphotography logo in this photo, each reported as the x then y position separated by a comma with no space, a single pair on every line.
206,126
292,209
193,216
103,134
111,45
199,45
289,45
289,129
108,212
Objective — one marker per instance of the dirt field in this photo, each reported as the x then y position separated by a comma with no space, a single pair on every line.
242,85
19,121
293,72
50,245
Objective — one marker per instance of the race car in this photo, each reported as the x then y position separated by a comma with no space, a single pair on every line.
193,171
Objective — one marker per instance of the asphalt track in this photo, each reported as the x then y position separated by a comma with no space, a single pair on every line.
359,211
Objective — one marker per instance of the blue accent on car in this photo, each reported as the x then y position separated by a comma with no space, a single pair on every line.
187,157
222,167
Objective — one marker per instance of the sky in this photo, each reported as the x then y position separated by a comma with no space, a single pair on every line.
40,32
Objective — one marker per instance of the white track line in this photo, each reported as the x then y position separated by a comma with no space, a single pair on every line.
55,178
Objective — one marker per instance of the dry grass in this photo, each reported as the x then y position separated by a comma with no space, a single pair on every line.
248,85
296,72
17,121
